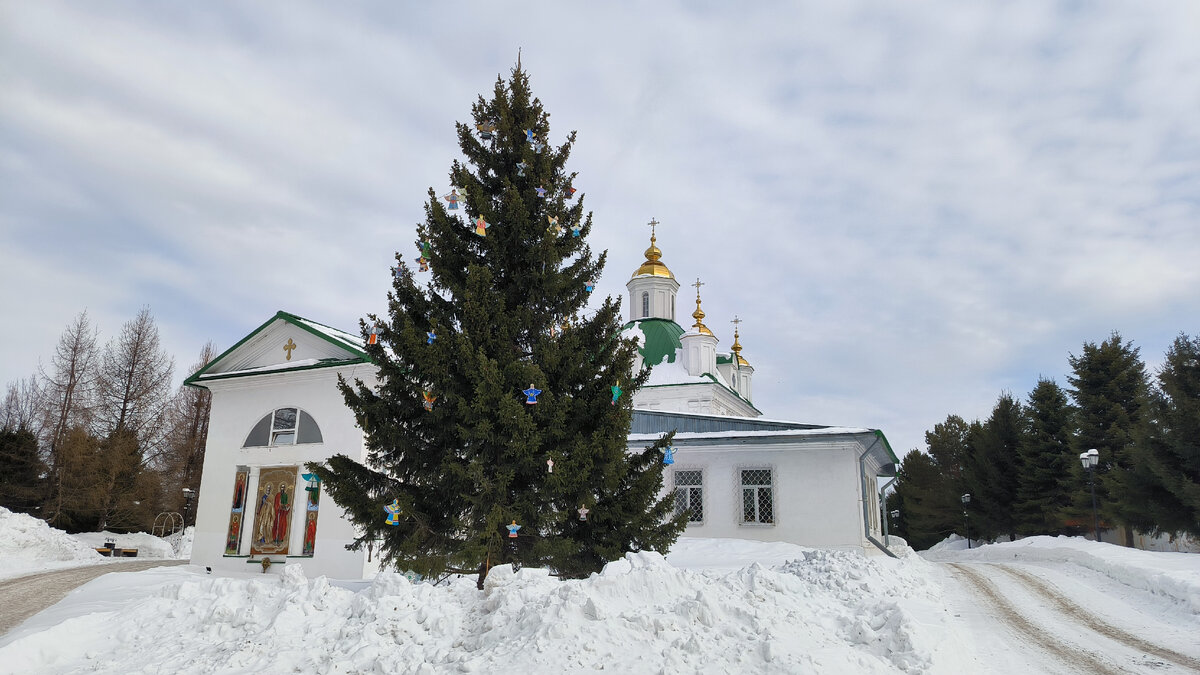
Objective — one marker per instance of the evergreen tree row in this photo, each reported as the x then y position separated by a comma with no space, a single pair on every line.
1021,465
99,440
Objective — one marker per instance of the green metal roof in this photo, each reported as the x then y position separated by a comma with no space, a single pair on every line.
661,339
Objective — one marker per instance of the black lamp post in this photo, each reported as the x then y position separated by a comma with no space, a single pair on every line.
966,499
1090,459
188,495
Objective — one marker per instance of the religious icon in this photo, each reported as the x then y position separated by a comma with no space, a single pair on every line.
310,533
531,395
393,512
452,197
521,166
265,517
481,226
283,509
616,393
235,529
541,192
669,455
486,130
583,511
512,530
239,491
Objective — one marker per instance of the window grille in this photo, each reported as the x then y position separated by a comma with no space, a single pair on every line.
689,494
757,496
645,303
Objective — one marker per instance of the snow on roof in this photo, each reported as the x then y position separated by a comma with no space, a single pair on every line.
289,365
334,333
672,372
734,433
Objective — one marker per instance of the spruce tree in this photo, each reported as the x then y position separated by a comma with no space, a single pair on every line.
22,480
924,518
994,467
1046,479
1109,389
497,306
1168,444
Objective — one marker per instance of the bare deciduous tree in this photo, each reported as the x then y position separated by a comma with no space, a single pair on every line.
67,402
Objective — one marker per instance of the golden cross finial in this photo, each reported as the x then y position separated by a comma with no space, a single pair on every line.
288,348
698,284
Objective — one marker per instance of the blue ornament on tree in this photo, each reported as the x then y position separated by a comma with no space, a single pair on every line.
521,166
430,337
512,530
531,395
669,455
393,511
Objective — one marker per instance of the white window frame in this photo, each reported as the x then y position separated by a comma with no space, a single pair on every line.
741,487
703,479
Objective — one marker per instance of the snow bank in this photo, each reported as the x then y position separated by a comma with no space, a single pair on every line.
28,544
147,545
824,611
1175,576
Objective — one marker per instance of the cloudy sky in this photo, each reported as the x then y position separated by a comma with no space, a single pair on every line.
912,206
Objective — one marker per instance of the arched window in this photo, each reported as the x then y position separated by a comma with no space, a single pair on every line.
285,426
645,304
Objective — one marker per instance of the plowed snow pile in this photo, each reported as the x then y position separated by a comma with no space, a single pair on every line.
824,611
28,544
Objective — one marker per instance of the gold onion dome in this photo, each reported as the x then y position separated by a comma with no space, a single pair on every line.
653,265
698,315
737,350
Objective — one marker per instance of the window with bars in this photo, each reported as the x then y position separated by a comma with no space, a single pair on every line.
689,494
757,496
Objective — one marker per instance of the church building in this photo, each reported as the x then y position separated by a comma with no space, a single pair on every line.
276,406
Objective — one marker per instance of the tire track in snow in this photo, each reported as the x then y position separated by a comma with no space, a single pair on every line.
1071,656
1081,615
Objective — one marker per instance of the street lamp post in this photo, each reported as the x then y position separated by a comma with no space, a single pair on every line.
1090,459
188,495
966,499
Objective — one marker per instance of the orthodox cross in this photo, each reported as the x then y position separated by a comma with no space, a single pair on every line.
288,348
653,224
698,284
735,322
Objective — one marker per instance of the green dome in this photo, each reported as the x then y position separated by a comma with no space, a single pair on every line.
660,339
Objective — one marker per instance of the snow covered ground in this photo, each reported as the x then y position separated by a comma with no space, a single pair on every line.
711,606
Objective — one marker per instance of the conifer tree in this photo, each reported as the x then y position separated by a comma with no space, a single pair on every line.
451,436
22,480
1109,389
1168,445
994,467
925,516
1046,479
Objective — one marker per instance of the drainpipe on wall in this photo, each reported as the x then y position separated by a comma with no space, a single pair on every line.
862,473
883,506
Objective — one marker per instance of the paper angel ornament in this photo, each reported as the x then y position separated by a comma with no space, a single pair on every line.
554,226
429,399
521,166
531,395
575,229
397,272
549,466
393,512
570,192
529,135
538,146
616,392
374,338
512,530
541,192
669,455
590,285
486,130
481,226
583,511
430,337
453,197
424,263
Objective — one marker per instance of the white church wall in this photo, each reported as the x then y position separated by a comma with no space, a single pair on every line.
237,404
702,397
815,500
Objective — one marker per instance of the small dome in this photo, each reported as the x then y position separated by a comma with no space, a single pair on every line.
653,265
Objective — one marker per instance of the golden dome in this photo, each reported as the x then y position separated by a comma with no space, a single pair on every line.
736,349
653,266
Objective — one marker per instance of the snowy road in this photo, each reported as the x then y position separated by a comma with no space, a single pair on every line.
1032,618
23,597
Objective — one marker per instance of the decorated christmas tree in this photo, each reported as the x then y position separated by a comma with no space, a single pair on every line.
502,400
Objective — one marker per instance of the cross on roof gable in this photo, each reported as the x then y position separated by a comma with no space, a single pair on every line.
285,342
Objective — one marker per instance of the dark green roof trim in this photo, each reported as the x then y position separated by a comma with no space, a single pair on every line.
887,446
325,363
723,359
297,321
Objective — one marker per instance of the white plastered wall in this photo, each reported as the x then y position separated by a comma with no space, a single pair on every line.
237,404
